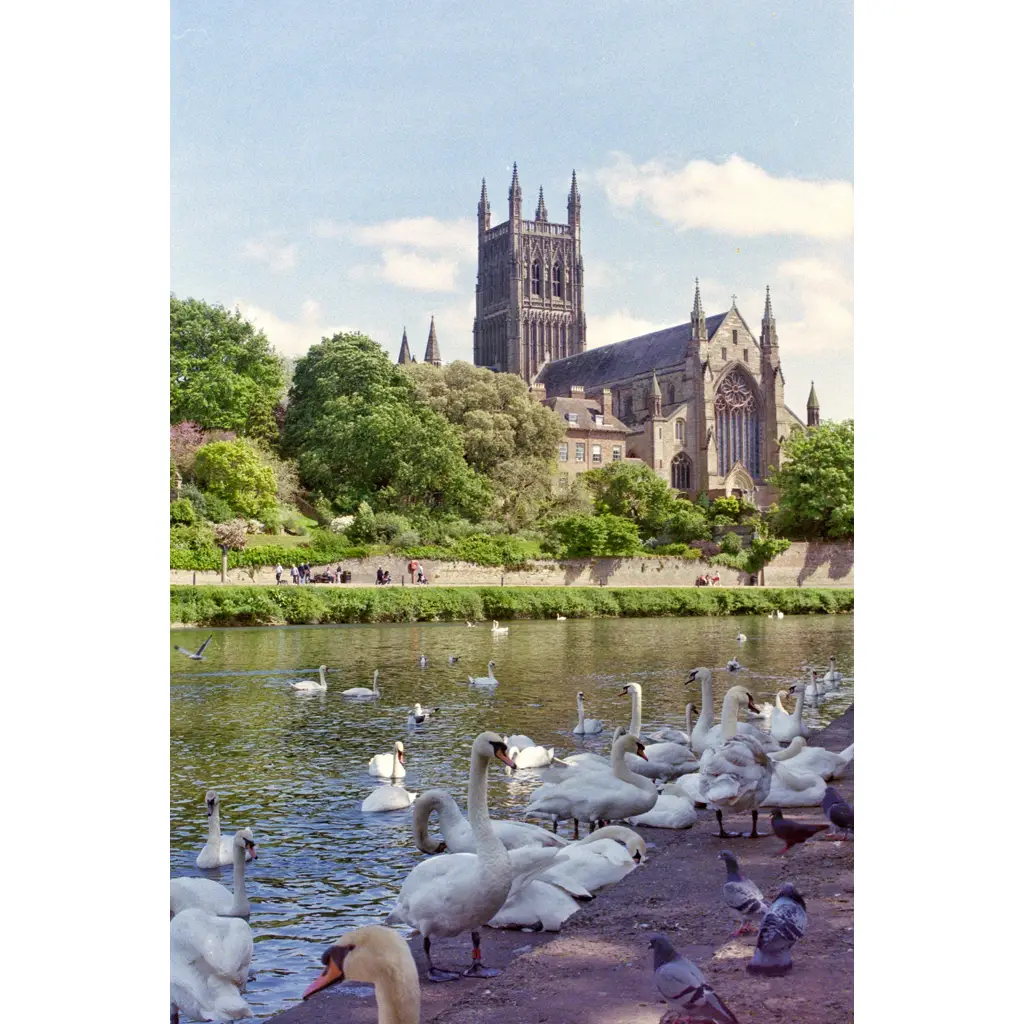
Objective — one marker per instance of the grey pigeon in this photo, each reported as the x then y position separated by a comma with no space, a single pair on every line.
784,923
197,655
838,811
684,988
745,901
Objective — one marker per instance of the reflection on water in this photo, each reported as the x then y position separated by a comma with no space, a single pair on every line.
293,766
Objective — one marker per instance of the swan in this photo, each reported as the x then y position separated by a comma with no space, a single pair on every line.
459,892
794,787
815,759
311,685
741,638
219,850
764,715
599,796
732,665
389,766
832,677
518,739
210,959
676,735
362,691
458,835
420,714
453,659
671,811
380,956
785,726
704,733
472,625
736,775
538,906
532,757
585,726
487,680
564,765
211,896
499,630
559,618
423,661
388,798
665,760
687,786
601,859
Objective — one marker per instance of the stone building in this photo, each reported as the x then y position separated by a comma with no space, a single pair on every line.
593,438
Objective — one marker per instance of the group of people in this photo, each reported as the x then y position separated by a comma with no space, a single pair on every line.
707,580
304,574
383,577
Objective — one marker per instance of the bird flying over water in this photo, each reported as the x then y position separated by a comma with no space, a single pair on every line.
782,926
197,655
684,988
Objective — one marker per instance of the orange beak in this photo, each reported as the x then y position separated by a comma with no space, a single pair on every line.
332,973
505,759
640,752
401,757
251,847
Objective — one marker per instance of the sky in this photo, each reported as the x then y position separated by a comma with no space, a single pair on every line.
326,162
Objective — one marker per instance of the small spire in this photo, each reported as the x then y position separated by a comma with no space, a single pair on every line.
514,191
404,355
433,353
812,399
483,193
655,386
542,210
769,316
698,306
574,192
734,302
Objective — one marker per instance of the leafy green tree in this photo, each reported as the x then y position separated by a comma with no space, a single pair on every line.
815,482
224,374
687,522
633,491
233,472
597,536
183,512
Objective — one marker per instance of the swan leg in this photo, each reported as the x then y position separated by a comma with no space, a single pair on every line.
722,834
554,826
575,828
478,970
174,1014
436,973
754,834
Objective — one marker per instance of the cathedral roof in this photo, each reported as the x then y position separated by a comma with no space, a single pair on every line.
624,359
585,409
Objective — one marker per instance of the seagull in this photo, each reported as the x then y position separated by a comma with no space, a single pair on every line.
838,811
741,638
420,714
784,923
452,659
793,832
684,988
742,897
198,655
423,661
732,665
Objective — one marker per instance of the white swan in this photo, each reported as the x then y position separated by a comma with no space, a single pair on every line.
211,896
598,860
538,906
559,618
687,786
423,661
459,892
472,625
458,835
785,726
388,798
833,677
499,630
736,775
487,680
532,757
671,811
518,739
210,959
793,787
741,638
704,733
219,850
598,796
815,759
362,691
380,956
389,766
310,685
664,760
676,735
585,726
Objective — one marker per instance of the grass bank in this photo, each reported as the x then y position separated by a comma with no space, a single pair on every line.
268,606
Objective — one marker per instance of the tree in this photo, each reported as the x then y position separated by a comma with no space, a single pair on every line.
687,522
234,472
224,374
580,536
634,492
359,434
229,537
815,482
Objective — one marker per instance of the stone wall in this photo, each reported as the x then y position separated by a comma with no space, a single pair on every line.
806,565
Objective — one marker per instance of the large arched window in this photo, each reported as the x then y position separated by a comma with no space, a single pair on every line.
681,472
535,278
738,425
671,394
556,280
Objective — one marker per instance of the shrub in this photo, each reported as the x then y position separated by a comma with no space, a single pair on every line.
363,527
407,539
731,544
183,512
707,548
387,526
687,522
582,536
729,508
196,537
217,509
198,499
233,471
339,524
230,535
679,551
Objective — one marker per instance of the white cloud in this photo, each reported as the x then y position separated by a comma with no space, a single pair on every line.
732,198
277,256
617,326
291,338
819,295
410,270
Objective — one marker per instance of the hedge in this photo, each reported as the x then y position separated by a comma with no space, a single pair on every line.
265,606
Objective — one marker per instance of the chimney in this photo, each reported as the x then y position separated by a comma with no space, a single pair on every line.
576,391
537,392
606,402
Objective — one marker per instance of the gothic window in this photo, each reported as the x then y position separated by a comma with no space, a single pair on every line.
681,472
671,394
735,336
738,425
680,430
535,278
746,355
556,281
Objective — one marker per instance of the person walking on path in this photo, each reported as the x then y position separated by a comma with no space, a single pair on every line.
295,575
278,569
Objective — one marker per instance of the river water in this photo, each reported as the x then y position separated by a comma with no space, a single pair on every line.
292,767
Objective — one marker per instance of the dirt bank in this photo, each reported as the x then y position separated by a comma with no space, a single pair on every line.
597,970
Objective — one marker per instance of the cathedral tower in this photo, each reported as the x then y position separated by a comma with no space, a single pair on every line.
433,353
813,410
529,286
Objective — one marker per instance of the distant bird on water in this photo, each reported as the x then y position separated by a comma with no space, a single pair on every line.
782,926
741,638
423,661
732,665
452,659
744,900
838,811
684,988
197,655
793,832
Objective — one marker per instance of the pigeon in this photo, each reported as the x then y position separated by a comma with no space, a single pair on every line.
838,811
684,988
744,900
784,923
793,832
198,655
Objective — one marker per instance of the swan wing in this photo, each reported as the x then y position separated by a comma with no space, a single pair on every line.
203,893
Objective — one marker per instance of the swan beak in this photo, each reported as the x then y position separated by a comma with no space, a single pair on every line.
505,759
251,847
333,971
401,757
751,705
637,857
624,691
640,752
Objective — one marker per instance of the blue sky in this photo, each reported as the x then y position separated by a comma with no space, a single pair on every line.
326,162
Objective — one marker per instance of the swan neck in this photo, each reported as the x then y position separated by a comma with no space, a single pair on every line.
213,835
376,688
238,881
489,847
620,771
689,721
323,678
397,1003
579,708
707,708
634,721
799,706
729,717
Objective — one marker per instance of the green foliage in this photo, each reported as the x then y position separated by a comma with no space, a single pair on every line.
687,522
198,500
217,509
731,544
389,525
363,528
634,492
243,606
679,551
224,374
815,483
233,472
726,508
183,512
763,549
591,537
704,501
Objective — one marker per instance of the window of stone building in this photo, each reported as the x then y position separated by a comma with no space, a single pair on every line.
671,394
616,453
659,433
535,279
598,419
563,452
725,352
627,407
735,336
659,463
572,417
746,355
681,472
556,281
581,452
595,453
680,430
